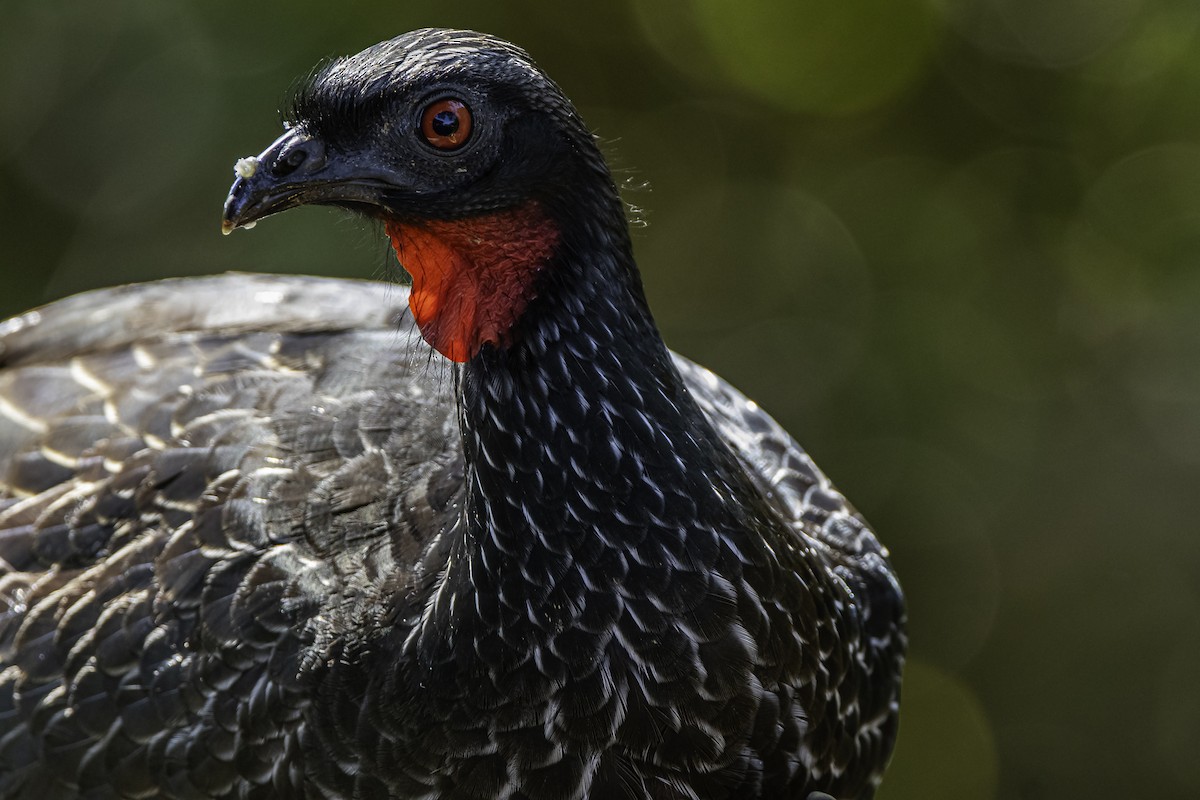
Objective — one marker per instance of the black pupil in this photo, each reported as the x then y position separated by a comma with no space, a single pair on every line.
445,123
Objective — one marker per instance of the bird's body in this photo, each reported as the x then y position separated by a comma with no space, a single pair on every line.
257,542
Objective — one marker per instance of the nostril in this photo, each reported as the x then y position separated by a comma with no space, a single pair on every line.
291,161
309,154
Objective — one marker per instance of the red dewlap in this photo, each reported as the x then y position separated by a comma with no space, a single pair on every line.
473,278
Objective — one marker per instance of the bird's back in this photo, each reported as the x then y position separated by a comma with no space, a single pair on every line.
200,477
209,483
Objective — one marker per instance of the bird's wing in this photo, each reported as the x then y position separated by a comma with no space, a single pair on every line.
846,548
802,494
781,468
199,478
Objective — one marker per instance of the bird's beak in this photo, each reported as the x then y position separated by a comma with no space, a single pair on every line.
297,169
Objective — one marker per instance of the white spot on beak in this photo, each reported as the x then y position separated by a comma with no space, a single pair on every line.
246,167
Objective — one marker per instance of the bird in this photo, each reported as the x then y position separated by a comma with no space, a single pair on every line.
481,537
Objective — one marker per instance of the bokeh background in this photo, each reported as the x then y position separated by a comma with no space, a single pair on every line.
953,245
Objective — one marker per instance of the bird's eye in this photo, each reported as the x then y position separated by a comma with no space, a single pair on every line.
446,124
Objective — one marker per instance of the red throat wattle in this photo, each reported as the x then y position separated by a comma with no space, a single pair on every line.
473,278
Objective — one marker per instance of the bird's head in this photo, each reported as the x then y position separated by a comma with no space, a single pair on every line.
479,167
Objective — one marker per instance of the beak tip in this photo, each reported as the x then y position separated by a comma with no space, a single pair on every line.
228,226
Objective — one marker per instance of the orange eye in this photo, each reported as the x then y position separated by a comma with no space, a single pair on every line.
446,124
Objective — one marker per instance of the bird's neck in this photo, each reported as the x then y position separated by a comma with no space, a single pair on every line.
587,461
584,399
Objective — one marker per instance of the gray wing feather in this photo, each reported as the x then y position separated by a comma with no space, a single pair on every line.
201,479
804,496
784,471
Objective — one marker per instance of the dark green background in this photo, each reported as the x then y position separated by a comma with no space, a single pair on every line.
952,246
